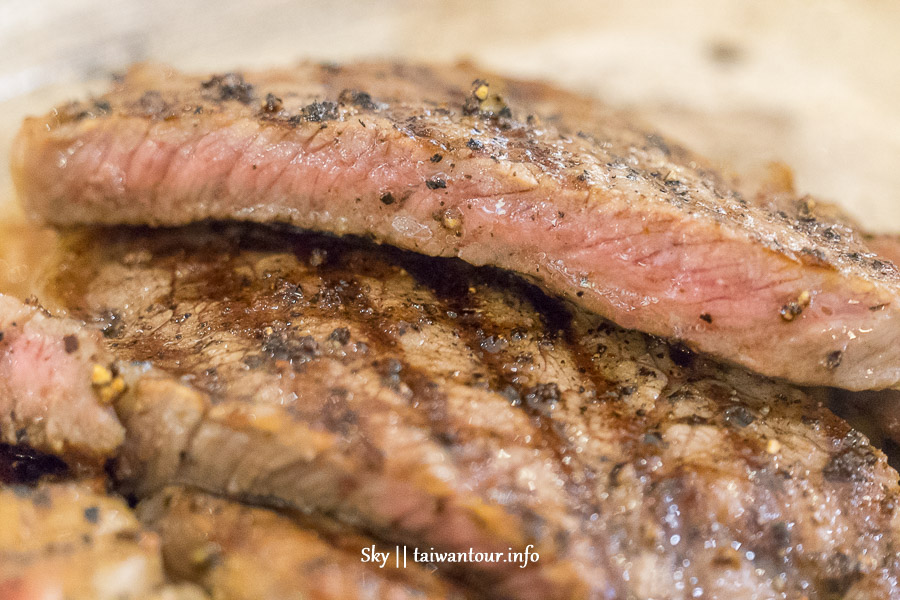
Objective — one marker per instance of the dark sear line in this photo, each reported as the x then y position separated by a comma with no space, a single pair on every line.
456,292
426,402
452,294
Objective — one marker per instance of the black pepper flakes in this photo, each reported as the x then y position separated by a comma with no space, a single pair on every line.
793,309
475,144
289,346
493,344
653,438
436,158
357,98
542,393
341,335
436,183
92,514
272,104
230,86
706,317
833,359
852,464
482,102
70,343
790,311
102,106
738,416
152,104
112,325
387,199
317,112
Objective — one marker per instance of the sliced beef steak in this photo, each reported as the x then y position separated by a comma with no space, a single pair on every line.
71,540
56,386
499,172
428,403
239,552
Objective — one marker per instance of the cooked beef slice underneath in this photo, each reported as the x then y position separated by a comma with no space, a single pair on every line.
55,386
429,403
239,552
502,172
69,539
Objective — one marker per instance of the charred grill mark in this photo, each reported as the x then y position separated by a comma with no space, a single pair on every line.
491,344
379,329
210,272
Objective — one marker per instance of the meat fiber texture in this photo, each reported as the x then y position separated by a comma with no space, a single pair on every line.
420,401
72,540
451,161
53,375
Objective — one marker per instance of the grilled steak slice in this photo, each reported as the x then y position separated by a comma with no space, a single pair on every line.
242,553
54,378
429,403
70,540
509,173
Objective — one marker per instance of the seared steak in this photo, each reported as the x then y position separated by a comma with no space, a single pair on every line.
429,403
72,541
55,389
243,553
509,173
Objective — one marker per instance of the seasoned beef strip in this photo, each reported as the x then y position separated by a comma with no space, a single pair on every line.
238,552
56,386
425,402
451,161
71,540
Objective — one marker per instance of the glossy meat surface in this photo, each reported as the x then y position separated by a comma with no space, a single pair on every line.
55,386
71,540
428,403
239,552
514,174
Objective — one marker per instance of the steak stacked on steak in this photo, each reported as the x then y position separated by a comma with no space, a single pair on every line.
425,402
61,537
240,552
499,172
70,540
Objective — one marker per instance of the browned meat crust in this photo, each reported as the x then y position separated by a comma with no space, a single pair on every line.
425,402
55,389
508,173
238,552
71,540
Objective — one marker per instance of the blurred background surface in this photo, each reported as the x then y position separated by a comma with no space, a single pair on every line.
812,83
